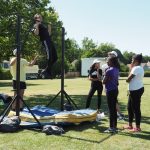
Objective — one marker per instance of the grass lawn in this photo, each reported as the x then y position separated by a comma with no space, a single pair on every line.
87,136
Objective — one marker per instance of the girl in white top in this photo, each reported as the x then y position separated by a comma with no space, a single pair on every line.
136,90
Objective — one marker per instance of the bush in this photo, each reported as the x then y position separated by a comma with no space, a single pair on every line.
5,74
124,68
147,74
124,74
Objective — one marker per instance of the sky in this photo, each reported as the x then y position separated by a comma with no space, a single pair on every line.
124,23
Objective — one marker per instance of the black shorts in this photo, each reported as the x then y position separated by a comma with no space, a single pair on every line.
22,85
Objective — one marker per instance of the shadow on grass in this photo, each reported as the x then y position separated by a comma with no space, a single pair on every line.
88,125
79,100
145,120
5,84
9,84
143,135
88,140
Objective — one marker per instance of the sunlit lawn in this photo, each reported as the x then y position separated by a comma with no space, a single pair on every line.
87,136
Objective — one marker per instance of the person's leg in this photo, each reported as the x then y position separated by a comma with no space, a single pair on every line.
21,95
115,111
111,99
91,93
14,104
130,111
47,70
119,114
51,55
14,89
136,105
99,95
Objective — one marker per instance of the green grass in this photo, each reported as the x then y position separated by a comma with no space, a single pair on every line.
87,136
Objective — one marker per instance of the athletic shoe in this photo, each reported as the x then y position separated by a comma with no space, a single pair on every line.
135,130
127,127
110,130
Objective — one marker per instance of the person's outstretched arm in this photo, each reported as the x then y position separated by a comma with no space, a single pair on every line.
33,61
13,61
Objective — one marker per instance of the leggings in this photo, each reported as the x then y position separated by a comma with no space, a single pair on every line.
95,86
51,54
111,100
134,102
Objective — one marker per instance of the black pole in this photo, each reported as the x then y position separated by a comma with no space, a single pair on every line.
62,91
18,65
62,68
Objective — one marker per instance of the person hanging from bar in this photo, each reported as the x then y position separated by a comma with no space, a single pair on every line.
45,37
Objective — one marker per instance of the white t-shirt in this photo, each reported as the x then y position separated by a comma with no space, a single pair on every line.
137,81
23,64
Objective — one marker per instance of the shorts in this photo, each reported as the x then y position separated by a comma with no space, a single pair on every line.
22,85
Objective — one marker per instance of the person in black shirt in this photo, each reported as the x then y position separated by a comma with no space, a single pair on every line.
44,34
95,75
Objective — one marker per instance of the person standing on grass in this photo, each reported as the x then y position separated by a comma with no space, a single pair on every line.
95,76
111,86
104,68
136,90
13,66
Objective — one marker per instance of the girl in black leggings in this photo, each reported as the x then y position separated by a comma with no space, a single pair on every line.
95,75
136,90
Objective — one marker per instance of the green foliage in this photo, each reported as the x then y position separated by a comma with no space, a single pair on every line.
124,74
124,68
147,74
5,74
91,49
57,68
72,51
128,57
30,44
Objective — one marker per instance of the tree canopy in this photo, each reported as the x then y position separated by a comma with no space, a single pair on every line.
30,44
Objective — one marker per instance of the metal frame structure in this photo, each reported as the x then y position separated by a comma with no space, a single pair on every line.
17,97
62,91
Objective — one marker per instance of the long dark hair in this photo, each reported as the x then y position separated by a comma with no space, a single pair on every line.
114,61
92,66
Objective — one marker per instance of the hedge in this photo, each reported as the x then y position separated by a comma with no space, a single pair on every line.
147,74
5,75
125,74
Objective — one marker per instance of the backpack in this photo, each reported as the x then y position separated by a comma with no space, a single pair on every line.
6,99
51,129
10,124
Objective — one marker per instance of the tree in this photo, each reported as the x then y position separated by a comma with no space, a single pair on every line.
104,48
26,9
128,57
72,51
88,47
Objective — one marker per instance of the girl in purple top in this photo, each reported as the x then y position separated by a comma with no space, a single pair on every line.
111,85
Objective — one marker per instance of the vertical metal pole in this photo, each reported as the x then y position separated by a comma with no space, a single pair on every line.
18,65
62,69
